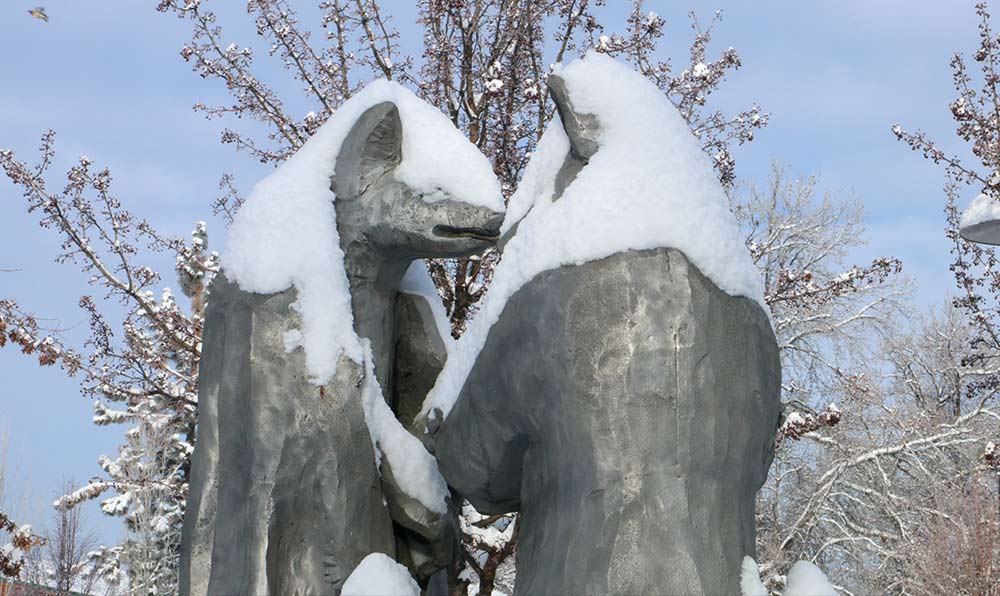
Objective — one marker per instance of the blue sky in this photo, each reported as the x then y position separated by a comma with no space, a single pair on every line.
107,76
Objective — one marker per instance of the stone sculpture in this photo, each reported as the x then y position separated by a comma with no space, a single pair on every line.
623,396
630,418
627,408
285,495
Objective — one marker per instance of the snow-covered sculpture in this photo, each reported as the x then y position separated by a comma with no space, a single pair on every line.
301,469
620,384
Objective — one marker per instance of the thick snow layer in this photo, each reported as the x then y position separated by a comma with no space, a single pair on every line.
414,469
983,208
750,584
649,185
539,179
285,234
417,281
806,579
379,575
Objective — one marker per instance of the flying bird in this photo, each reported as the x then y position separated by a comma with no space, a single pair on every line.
39,13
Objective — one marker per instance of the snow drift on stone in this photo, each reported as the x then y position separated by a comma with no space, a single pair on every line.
414,469
379,575
750,584
806,579
649,185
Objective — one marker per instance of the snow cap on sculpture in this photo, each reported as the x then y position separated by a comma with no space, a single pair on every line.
388,176
618,171
285,234
379,575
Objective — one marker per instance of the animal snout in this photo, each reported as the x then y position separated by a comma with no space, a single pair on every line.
472,222
493,222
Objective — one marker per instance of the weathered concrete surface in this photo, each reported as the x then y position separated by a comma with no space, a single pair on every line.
285,494
420,356
299,500
627,407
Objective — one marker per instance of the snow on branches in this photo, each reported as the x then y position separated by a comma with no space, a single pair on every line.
21,540
488,542
821,305
143,374
796,425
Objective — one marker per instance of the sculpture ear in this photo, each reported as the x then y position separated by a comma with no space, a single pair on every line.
372,148
583,130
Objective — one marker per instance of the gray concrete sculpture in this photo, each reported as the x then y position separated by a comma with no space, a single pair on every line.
627,408
285,497
420,356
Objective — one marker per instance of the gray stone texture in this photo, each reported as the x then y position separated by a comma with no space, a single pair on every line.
627,408
298,500
285,495
420,356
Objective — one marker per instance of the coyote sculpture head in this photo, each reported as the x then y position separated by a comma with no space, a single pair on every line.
392,218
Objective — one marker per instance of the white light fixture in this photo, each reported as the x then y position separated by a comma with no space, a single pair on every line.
981,221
